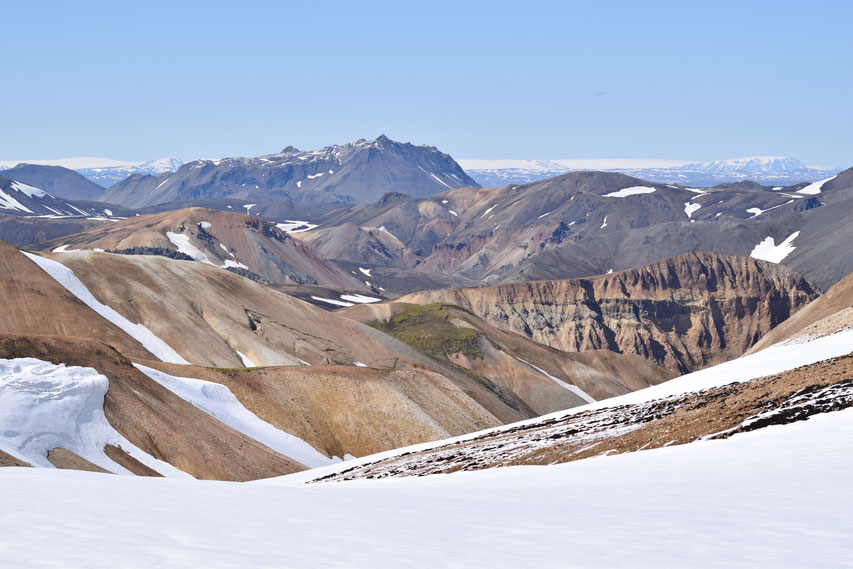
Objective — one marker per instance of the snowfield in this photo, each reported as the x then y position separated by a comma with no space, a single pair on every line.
749,501
66,277
45,406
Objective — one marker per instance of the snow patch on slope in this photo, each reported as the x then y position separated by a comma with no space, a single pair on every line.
767,250
182,242
8,202
814,188
691,208
332,301
632,191
245,359
28,190
359,298
295,226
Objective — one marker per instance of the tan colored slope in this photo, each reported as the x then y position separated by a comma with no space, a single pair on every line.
223,237
716,413
343,410
207,314
683,313
836,302
508,359
153,418
32,302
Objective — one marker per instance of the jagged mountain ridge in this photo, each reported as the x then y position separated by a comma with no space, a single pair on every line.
354,172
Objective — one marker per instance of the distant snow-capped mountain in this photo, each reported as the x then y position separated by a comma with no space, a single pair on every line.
103,171
109,175
762,169
355,172
752,164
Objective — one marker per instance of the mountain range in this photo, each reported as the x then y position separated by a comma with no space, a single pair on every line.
359,171
586,223
367,311
767,170
102,171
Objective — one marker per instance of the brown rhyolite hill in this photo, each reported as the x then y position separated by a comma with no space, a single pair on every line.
211,317
338,410
683,313
224,238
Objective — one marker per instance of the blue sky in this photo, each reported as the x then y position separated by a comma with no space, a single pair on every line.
679,80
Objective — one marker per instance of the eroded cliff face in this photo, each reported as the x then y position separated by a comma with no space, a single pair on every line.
683,313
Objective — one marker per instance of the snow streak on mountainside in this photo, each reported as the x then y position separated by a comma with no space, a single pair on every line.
218,401
66,277
763,169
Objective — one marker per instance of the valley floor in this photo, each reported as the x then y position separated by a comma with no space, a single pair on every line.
778,497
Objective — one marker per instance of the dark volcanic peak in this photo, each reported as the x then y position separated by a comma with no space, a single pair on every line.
356,172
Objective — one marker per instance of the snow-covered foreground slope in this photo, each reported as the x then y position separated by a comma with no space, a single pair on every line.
775,359
778,497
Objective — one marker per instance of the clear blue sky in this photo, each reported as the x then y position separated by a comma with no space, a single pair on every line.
523,79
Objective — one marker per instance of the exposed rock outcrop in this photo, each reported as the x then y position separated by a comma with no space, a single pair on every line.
683,313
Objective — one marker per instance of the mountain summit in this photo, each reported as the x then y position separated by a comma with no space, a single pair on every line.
355,172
